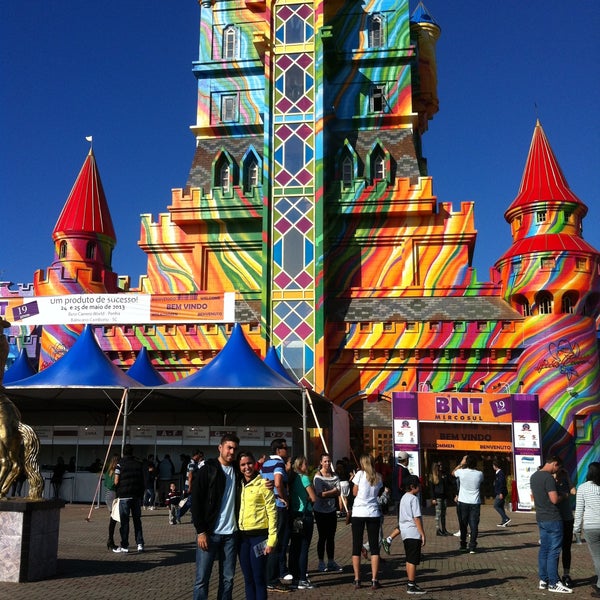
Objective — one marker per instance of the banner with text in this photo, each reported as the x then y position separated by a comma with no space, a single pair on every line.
119,309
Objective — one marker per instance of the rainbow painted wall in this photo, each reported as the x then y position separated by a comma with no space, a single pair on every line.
308,196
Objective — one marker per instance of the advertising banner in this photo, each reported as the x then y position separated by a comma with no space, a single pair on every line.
119,309
459,407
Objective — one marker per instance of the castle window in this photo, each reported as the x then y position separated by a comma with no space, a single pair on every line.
378,166
540,216
548,263
62,251
378,100
229,106
90,251
224,176
522,305
411,326
252,179
376,31
459,326
581,264
434,326
544,303
569,300
388,326
567,214
517,265
365,327
229,42
482,325
347,172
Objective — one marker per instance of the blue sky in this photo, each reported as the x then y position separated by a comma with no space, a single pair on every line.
121,71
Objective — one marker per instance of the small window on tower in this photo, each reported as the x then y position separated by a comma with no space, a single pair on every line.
581,264
90,251
376,31
62,251
229,42
347,172
547,263
229,104
540,216
378,100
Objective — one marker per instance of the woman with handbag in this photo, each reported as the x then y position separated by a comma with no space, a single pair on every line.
366,512
302,498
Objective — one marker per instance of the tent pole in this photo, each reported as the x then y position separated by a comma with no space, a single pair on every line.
125,415
304,424
314,414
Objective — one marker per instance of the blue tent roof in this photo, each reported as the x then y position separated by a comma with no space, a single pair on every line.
236,366
84,365
20,369
143,370
272,360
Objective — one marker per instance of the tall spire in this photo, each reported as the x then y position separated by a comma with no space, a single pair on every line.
543,179
86,209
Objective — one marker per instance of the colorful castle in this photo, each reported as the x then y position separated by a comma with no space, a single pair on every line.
309,198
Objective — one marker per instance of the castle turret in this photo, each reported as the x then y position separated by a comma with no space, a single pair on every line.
425,32
552,276
84,239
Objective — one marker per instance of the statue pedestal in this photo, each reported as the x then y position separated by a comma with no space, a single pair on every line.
29,538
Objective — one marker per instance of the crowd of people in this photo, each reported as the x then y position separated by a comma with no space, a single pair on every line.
263,512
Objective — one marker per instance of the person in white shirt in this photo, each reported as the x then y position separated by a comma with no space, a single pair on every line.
587,515
469,501
367,486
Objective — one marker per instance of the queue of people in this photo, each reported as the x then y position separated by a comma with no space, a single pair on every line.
263,513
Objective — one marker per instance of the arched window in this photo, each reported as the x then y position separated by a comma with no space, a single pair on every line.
252,173
62,250
229,42
378,166
224,175
569,300
376,31
90,251
522,305
544,303
347,172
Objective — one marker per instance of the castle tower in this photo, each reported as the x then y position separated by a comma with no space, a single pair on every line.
552,277
84,239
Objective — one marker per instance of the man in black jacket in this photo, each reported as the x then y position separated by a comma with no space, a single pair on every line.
129,481
214,514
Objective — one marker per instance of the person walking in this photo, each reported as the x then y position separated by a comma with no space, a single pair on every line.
326,484
110,495
439,487
129,484
214,514
566,490
258,527
500,493
587,517
366,513
410,523
274,469
469,501
545,498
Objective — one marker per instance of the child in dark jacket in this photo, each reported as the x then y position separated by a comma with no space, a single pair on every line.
172,501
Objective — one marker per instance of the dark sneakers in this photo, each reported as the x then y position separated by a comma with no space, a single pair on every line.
413,588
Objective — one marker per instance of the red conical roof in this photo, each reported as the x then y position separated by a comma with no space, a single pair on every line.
543,179
86,208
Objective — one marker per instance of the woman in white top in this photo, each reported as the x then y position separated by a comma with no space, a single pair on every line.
587,513
367,486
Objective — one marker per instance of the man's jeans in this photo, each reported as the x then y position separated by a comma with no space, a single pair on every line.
224,549
126,506
468,516
551,534
499,507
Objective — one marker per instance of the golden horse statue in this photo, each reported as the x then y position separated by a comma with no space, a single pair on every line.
19,444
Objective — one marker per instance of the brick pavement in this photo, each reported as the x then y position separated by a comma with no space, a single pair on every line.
505,567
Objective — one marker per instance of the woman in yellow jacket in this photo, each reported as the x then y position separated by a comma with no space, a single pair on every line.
258,527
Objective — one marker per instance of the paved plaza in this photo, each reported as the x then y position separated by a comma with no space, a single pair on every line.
504,568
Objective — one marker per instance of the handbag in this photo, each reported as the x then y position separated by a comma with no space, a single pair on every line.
115,514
